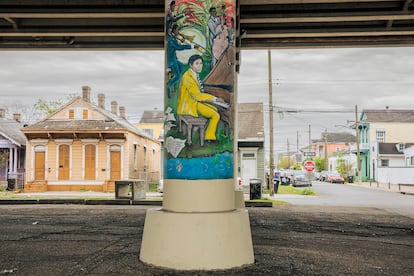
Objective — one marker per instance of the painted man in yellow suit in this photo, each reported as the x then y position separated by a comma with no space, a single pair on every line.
194,102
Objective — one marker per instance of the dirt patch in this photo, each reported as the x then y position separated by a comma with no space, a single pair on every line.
288,240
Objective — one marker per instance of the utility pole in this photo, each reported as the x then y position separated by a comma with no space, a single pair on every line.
310,142
326,149
288,156
357,141
297,141
271,166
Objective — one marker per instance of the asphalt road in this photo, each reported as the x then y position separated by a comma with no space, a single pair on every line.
288,240
351,195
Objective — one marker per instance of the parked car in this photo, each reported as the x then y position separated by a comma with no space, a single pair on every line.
301,179
323,176
335,178
284,178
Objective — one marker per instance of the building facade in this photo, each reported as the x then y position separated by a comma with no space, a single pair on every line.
251,139
12,151
378,126
83,146
152,123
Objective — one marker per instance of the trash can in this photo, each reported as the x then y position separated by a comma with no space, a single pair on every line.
255,188
350,179
275,186
11,183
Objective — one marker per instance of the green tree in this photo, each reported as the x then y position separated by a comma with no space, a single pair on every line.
319,163
343,167
44,107
286,163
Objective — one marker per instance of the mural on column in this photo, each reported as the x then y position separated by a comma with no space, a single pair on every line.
199,97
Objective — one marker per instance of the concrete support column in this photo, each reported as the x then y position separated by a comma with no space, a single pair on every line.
200,225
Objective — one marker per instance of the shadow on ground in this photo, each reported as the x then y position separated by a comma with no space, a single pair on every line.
288,240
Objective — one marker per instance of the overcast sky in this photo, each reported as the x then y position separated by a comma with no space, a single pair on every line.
307,81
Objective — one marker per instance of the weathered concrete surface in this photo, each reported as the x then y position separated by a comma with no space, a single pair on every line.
288,240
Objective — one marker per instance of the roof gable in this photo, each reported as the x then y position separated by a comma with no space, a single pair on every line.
336,138
152,117
10,130
391,148
388,115
98,119
77,106
250,121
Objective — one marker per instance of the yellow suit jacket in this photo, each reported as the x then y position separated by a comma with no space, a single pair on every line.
190,95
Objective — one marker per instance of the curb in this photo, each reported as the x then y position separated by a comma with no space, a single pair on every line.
81,201
108,202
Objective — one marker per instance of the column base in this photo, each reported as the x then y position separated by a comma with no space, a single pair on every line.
197,241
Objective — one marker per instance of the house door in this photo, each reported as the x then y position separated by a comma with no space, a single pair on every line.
248,166
39,165
63,162
115,165
90,162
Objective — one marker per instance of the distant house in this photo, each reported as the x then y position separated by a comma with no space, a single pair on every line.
335,142
336,146
395,163
152,123
12,151
379,126
251,139
82,146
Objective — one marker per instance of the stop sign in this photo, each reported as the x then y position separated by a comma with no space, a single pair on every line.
309,166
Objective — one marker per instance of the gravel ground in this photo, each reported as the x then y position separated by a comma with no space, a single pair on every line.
288,240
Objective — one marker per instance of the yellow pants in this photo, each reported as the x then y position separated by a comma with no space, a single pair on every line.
210,112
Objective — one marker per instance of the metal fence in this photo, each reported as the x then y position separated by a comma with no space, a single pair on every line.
149,177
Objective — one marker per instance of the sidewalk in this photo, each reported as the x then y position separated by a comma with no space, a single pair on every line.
396,188
69,195
85,198
97,198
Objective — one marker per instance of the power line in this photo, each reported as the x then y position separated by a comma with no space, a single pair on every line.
281,109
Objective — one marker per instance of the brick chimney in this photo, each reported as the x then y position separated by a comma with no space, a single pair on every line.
114,107
101,100
86,93
122,112
16,117
2,113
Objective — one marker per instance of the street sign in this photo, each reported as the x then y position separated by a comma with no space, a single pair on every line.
309,153
309,166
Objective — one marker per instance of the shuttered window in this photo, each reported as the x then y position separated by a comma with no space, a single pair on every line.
90,162
64,165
